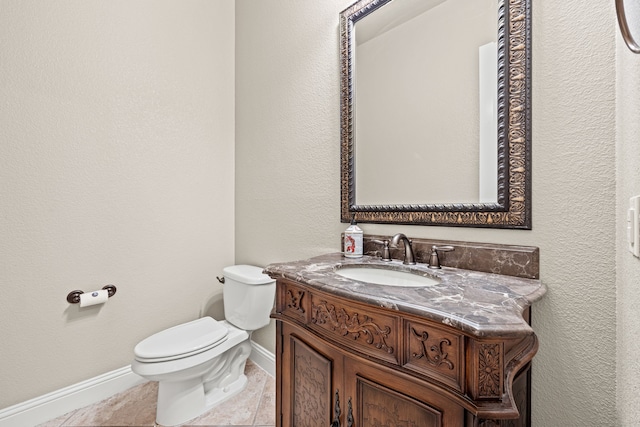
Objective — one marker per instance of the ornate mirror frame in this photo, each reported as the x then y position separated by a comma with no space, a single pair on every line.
513,207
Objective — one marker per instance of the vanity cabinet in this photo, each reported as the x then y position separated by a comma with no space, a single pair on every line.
342,362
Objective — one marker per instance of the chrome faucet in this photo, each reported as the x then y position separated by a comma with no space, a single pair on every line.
408,250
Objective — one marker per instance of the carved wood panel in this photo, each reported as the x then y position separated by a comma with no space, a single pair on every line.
434,352
490,370
311,385
357,327
384,397
293,301
381,407
487,370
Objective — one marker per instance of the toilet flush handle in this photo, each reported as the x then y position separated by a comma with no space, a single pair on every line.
220,279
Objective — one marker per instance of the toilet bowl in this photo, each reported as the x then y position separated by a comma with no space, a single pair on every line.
200,364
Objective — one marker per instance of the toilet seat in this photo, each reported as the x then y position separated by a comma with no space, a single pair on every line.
181,341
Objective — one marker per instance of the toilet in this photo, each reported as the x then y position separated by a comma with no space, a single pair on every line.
200,364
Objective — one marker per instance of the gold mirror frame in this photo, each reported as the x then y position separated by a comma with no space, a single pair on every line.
632,44
513,207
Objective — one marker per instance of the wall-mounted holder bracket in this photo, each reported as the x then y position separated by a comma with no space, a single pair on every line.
74,296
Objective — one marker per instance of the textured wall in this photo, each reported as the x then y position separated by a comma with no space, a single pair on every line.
287,193
628,267
116,164
287,132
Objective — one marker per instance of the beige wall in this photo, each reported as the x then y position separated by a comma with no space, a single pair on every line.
116,166
287,192
287,132
627,267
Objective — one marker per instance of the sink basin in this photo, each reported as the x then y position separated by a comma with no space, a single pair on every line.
381,276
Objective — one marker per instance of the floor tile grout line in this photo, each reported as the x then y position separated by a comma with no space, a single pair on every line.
255,414
71,414
268,377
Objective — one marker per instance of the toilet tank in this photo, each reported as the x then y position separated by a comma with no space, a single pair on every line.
248,296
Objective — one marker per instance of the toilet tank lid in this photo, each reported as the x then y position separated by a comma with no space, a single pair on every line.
248,274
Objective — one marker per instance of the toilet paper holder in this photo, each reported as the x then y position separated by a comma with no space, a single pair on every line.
74,296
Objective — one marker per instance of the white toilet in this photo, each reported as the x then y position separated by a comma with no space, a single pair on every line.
200,364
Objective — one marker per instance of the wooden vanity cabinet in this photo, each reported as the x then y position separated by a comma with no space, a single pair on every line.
320,384
344,363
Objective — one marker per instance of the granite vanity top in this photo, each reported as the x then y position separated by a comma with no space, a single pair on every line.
481,304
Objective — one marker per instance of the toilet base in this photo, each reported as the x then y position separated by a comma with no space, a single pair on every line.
219,395
181,401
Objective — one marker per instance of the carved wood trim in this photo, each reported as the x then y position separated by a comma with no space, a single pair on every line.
439,354
294,300
351,325
434,352
490,370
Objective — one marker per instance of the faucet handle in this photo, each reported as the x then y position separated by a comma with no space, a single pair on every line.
434,261
385,256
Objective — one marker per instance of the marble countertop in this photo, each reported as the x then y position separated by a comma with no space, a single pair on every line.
481,304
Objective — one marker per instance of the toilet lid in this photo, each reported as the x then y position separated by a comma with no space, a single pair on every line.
182,340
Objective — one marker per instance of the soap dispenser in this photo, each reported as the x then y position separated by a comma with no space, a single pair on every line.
353,240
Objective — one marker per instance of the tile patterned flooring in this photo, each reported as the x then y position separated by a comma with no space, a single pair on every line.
255,406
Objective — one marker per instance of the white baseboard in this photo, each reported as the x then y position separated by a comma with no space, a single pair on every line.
263,358
52,405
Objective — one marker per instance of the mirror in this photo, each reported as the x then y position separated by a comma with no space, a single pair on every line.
435,112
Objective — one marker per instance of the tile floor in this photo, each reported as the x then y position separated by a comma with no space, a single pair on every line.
255,406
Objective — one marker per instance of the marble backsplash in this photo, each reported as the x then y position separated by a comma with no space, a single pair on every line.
510,260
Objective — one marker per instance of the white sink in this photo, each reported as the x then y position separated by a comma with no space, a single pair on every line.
381,276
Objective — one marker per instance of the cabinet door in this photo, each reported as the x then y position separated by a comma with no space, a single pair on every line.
307,380
381,397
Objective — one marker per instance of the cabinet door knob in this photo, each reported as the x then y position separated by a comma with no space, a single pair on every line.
349,414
